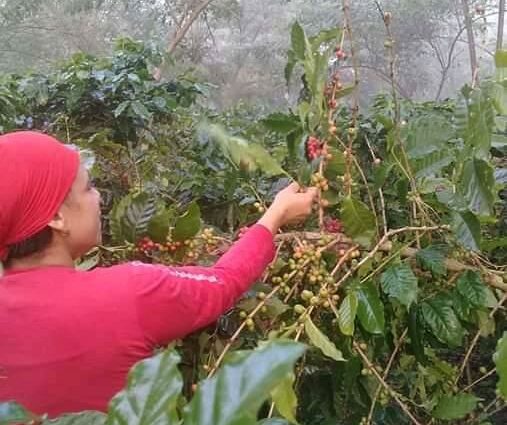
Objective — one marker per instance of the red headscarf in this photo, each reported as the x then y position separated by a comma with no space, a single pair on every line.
36,174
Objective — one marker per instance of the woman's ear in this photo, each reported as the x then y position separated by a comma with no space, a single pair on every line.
58,223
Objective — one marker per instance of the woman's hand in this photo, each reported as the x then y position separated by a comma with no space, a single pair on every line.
291,205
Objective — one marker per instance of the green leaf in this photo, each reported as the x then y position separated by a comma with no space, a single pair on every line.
370,309
82,418
477,184
236,392
281,123
285,398
13,413
467,230
273,421
138,213
188,225
121,108
336,165
432,163
245,155
131,216
358,220
501,58
441,319
500,359
432,258
428,134
289,67
347,314
264,161
399,282
473,289
325,36
151,396
140,110
416,334
321,341
88,263
455,406
158,228
298,39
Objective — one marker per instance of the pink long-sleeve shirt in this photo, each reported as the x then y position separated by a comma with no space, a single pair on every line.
68,337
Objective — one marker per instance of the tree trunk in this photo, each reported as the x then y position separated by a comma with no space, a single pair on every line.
501,15
471,41
181,32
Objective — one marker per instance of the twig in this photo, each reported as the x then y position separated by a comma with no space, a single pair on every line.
482,378
475,339
384,384
386,373
181,32
384,239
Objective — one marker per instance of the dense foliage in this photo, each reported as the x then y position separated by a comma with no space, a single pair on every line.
397,283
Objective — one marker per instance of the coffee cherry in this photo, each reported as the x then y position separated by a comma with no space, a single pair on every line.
261,295
243,314
306,295
299,309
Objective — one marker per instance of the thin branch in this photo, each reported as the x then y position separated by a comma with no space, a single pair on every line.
475,339
180,33
384,384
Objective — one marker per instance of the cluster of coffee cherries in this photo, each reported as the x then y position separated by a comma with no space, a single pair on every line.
332,225
148,247
339,53
314,148
321,183
259,207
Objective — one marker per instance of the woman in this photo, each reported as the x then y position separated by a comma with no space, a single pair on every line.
68,338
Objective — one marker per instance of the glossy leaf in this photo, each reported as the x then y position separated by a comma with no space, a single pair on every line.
188,225
370,309
477,184
281,123
416,333
321,341
12,413
442,321
273,421
151,395
456,406
399,282
358,220
285,398
427,134
83,418
467,230
471,286
137,217
500,359
236,392
432,258
158,227
347,314
298,40
433,163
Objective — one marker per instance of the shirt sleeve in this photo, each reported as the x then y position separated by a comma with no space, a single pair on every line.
172,302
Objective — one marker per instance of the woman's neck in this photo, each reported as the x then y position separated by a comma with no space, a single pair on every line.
50,257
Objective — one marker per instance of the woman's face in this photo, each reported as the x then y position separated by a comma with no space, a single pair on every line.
81,215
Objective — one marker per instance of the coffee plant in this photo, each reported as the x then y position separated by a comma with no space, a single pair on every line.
397,284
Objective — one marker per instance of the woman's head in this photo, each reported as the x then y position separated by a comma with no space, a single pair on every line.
47,201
